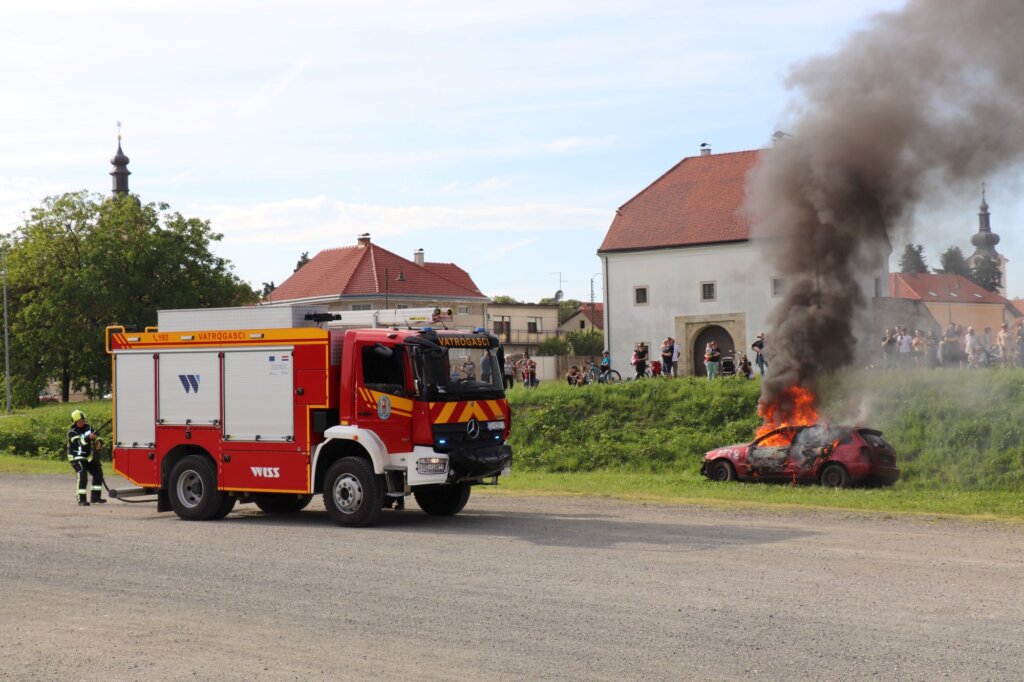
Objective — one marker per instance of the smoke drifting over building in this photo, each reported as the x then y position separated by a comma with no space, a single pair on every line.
921,102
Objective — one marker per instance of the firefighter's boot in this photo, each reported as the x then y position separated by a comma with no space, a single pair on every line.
96,499
82,502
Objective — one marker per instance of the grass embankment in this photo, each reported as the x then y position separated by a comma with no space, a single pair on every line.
959,436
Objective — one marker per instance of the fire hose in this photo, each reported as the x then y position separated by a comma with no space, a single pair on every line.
113,494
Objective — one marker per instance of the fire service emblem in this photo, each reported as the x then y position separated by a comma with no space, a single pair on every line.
383,407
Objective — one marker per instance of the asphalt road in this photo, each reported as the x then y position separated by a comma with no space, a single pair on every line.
512,588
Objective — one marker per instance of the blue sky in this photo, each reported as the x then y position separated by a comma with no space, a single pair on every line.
501,137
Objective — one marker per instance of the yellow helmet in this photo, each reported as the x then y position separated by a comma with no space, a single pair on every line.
76,415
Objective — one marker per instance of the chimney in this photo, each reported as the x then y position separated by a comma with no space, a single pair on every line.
418,257
705,149
364,240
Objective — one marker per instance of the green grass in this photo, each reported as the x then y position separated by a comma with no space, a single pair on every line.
959,436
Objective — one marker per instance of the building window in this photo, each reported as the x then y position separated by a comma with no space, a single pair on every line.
462,310
533,325
639,295
778,287
361,306
583,324
502,324
708,291
401,306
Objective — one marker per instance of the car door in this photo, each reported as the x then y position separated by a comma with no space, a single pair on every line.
383,394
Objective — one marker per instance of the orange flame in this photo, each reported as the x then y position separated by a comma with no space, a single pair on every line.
795,406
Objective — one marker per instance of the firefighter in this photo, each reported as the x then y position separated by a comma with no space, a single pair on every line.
82,443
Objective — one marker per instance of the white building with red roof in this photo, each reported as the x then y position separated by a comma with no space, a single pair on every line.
679,261
368,277
955,299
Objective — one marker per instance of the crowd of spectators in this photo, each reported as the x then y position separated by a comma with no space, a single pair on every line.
955,346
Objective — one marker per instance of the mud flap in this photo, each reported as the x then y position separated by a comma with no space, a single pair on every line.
163,501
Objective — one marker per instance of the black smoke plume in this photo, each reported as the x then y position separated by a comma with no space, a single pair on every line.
923,102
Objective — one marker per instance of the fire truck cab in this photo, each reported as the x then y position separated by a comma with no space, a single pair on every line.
274,404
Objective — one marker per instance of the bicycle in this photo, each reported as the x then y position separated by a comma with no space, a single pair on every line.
594,376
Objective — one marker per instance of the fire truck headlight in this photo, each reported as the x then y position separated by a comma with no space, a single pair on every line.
432,465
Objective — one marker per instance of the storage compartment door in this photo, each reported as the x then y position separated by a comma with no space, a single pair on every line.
189,388
258,402
134,400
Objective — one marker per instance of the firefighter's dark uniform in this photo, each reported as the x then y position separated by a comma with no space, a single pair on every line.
85,462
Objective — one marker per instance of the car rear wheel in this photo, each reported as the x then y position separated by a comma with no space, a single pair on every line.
723,471
835,476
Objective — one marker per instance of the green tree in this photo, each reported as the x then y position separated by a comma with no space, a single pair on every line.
555,345
912,260
586,342
505,299
986,274
267,289
953,262
566,308
81,263
303,259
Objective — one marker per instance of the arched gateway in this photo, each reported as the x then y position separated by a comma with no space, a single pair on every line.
710,333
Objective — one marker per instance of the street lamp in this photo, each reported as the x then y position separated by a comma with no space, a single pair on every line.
387,284
596,274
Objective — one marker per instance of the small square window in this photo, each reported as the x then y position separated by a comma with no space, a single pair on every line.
708,291
401,306
361,306
583,324
533,325
639,295
778,287
462,310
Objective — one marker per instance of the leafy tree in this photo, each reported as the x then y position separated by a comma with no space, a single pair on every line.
303,259
986,274
586,342
81,263
953,262
555,345
267,289
566,308
912,260
505,300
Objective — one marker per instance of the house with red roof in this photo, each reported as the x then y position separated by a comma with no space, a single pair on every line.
679,260
368,277
587,317
955,299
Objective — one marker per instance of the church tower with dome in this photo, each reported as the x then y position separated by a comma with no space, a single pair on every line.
984,241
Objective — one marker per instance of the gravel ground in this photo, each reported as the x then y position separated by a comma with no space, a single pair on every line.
512,588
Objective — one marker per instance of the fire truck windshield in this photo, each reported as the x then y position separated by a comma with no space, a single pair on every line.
458,374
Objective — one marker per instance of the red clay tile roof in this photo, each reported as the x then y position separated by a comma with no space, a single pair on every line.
940,288
698,201
1018,304
355,270
593,312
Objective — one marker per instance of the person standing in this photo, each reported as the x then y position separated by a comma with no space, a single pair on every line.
509,373
1005,342
606,366
469,369
666,356
84,459
712,356
640,360
675,358
917,347
905,344
485,368
758,348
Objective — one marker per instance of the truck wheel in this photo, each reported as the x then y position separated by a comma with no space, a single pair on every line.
442,500
193,490
225,508
835,476
278,503
353,494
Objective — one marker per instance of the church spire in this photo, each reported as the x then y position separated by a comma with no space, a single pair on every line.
984,239
120,173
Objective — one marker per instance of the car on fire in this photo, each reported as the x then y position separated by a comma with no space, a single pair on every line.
835,456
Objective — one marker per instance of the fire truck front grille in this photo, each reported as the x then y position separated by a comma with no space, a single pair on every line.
467,435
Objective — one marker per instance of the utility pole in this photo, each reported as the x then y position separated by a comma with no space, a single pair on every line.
7,345
592,334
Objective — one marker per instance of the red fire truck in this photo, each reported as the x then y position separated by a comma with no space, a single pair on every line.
274,404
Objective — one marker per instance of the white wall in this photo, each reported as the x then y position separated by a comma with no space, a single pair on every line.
673,277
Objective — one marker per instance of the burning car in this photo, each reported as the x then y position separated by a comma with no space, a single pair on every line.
832,455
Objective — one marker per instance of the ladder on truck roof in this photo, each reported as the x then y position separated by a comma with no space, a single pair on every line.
402,317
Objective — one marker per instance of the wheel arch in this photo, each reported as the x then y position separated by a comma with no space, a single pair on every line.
329,452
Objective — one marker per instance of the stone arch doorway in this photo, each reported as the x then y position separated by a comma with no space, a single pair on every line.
710,333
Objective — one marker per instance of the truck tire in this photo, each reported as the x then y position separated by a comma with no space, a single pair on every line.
192,489
281,503
353,494
225,508
442,500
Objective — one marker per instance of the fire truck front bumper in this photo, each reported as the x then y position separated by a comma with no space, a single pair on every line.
479,462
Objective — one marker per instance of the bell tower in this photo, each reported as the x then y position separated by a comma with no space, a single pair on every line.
120,173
